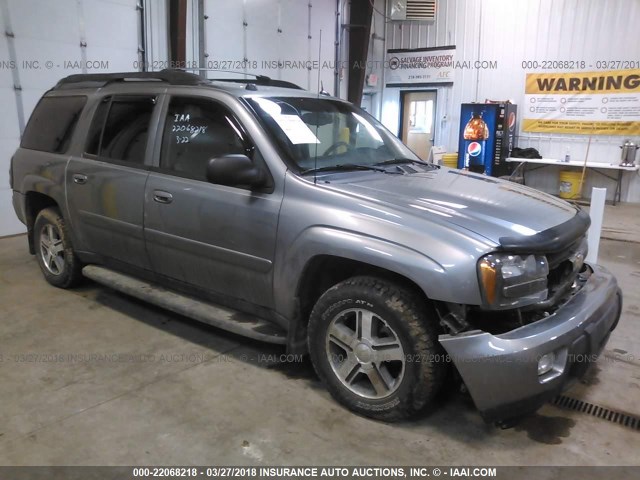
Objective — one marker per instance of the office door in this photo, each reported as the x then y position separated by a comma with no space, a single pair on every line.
418,121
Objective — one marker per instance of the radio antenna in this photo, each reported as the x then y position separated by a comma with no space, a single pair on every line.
315,159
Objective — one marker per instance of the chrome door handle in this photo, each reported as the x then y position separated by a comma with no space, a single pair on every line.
79,178
162,197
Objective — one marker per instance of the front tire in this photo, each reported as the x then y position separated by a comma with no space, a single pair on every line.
54,250
375,347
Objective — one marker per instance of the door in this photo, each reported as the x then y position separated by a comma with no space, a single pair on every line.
105,186
220,239
418,121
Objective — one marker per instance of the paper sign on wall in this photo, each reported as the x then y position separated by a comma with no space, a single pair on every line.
589,103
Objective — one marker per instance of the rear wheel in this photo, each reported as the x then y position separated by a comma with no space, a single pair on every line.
54,249
374,345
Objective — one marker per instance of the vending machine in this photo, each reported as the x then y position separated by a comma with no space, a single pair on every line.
487,136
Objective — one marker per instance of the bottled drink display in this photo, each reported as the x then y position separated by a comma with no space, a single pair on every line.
487,136
475,135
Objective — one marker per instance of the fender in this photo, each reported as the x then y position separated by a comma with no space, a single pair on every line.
48,177
48,180
428,274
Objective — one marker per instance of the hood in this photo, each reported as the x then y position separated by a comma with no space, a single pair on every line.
485,205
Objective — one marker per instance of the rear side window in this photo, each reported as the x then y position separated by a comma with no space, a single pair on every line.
52,124
120,129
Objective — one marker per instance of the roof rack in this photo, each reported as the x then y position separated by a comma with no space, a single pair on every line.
259,80
173,77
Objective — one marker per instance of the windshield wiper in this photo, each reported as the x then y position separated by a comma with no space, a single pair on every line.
344,168
397,161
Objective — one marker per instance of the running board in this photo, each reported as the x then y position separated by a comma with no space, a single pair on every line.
217,316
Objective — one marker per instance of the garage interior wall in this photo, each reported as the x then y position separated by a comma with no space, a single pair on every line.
266,34
108,34
43,41
509,33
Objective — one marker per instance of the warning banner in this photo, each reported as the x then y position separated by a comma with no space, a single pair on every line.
589,103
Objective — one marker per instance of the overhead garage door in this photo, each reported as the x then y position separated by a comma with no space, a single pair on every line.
44,42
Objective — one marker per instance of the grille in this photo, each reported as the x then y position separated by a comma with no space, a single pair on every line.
421,9
564,266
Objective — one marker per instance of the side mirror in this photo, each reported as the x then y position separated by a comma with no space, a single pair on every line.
235,169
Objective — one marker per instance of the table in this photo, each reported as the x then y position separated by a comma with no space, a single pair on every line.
596,166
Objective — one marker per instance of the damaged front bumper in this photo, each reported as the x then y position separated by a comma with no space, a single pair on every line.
501,371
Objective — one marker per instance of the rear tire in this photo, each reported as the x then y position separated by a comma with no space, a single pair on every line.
54,250
375,346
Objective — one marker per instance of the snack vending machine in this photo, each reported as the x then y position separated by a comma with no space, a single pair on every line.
487,136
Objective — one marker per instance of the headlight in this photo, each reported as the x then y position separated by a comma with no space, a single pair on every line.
510,281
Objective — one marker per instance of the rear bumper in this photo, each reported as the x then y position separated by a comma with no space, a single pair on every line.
501,371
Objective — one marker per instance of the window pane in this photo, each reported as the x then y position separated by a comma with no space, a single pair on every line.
127,128
319,132
52,124
93,139
196,131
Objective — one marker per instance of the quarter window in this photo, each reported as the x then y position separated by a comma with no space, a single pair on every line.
52,124
197,130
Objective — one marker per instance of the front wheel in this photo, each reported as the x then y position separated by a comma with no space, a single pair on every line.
54,249
374,345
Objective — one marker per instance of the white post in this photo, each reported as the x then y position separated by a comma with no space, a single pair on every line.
596,212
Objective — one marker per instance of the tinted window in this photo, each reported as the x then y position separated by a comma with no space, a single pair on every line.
95,132
197,130
120,129
52,124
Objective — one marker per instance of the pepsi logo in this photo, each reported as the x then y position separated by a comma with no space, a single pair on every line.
512,120
474,149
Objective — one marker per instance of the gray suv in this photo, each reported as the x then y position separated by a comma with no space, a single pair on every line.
297,219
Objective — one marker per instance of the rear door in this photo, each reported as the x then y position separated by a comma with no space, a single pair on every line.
218,238
105,185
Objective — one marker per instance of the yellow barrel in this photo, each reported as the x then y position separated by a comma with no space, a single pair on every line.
450,160
570,184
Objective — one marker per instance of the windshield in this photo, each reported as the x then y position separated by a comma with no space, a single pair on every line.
319,133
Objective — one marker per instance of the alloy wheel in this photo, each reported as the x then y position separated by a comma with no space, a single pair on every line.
365,353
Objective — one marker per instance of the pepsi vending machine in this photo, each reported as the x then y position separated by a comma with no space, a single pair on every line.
487,136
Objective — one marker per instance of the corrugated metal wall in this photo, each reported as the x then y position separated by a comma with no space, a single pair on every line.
510,32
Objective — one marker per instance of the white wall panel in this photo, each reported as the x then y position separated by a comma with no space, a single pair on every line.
275,31
510,32
50,33
52,21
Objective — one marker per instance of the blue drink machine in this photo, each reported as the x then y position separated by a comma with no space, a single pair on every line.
487,136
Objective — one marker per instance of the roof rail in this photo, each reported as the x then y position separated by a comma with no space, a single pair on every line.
259,80
173,77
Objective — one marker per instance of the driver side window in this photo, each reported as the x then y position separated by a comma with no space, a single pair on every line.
197,130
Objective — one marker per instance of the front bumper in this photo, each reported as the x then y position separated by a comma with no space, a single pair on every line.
501,371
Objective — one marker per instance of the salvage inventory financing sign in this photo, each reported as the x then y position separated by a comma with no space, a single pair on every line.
590,103
419,66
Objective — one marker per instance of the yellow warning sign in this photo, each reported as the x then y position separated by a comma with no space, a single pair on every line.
581,127
610,81
590,103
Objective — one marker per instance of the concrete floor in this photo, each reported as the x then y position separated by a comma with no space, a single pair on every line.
92,377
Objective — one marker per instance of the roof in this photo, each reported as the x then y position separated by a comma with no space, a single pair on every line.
169,76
